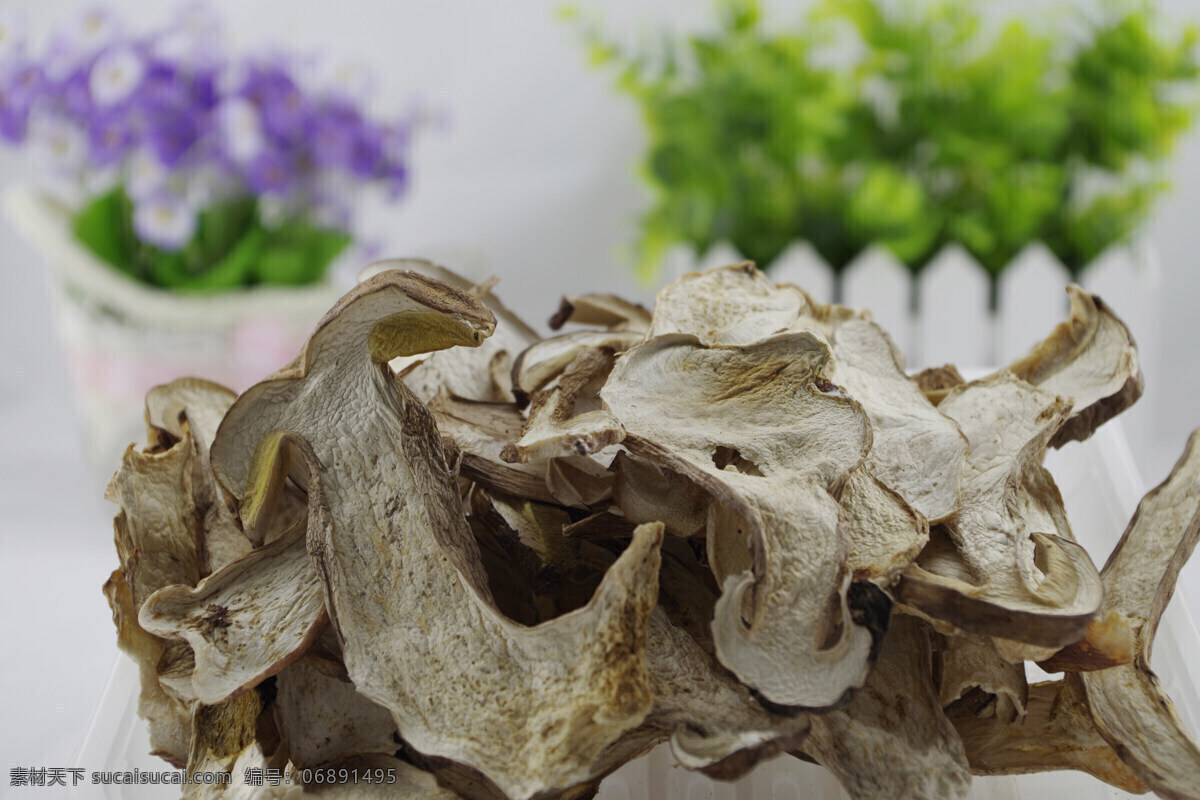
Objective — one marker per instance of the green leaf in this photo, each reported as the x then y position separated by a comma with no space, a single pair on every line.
236,269
296,254
101,225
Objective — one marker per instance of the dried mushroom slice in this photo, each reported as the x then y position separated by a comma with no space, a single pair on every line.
886,534
891,740
579,481
479,373
158,538
202,403
567,419
1055,733
544,361
530,708
475,434
1090,358
1126,702
195,406
732,305
1007,574
648,492
273,589
168,719
936,382
1108,642
759,429
715,724
224,739
970,668
603,310
322,719
915,451
157,530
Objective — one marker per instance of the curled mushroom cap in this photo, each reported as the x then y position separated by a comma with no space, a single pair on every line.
542,362
479,373
566,419
273,588
194,407
529,708
1090,358
767,436
1004,567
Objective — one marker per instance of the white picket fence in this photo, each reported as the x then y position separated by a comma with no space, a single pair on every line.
951,321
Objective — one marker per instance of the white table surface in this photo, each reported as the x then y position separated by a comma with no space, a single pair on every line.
56,550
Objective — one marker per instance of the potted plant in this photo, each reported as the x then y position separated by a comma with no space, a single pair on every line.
196,202
938,130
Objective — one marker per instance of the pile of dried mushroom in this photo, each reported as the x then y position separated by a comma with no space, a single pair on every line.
502,566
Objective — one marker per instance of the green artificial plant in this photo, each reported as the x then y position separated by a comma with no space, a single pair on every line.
942,128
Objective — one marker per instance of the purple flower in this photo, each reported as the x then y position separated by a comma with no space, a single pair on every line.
163,86
284,115
182,125
111,136
270,171
335,136
19,89
75,94
171,135
395,180
164,220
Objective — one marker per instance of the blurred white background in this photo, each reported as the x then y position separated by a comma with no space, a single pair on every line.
533,178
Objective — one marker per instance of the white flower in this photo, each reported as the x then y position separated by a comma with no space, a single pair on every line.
12,33
92,30
57,143
208,184
144,175
164,220
241,128
194,36
116,75
200,20
273,209
345,78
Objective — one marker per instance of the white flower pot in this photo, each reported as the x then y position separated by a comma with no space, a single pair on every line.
121,337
